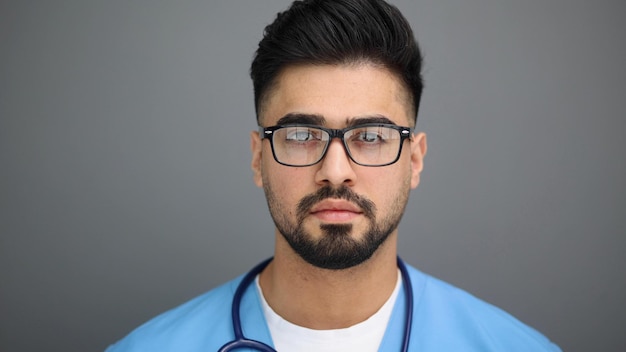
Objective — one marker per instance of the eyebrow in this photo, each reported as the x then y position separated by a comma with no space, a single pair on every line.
369,119
305,119
315,119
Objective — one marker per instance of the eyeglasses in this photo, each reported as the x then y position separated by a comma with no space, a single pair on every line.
367,145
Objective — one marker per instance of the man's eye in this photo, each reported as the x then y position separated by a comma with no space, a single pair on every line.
300,135
369,137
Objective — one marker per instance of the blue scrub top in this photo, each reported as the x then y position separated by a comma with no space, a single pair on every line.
445,318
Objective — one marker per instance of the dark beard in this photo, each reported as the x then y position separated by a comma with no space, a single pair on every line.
336,249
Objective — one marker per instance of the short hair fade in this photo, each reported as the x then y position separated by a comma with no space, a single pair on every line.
331,32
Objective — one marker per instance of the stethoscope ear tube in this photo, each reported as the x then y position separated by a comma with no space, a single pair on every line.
240,340
408,311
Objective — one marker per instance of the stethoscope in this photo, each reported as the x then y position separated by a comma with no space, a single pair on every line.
241,341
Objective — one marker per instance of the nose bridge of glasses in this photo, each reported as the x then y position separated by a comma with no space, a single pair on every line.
336,134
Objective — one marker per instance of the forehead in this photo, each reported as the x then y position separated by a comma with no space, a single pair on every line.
337,93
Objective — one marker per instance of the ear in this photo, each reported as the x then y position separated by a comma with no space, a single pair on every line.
256,147
418,151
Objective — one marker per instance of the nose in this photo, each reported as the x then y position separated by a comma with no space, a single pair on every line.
336,168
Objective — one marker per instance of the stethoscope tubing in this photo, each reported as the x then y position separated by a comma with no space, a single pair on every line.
241,341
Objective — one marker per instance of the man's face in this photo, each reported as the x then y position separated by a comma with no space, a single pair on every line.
335,214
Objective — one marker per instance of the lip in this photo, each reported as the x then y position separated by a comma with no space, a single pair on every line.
335,210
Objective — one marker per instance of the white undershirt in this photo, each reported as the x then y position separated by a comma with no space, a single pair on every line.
364,336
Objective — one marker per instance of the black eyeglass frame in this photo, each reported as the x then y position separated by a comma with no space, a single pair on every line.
268,133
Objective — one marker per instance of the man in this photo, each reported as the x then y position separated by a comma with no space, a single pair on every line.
337,89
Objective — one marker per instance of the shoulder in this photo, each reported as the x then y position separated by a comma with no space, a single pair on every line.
462,320
185,327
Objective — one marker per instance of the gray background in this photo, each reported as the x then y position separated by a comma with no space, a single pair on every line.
125,186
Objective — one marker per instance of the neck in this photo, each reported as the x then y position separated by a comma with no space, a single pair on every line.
328,299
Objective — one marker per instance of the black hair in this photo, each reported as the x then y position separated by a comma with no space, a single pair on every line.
330,32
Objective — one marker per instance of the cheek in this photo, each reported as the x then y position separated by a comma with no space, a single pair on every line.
385,186
288,184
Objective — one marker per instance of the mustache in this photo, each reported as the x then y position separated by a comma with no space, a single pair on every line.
305,204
